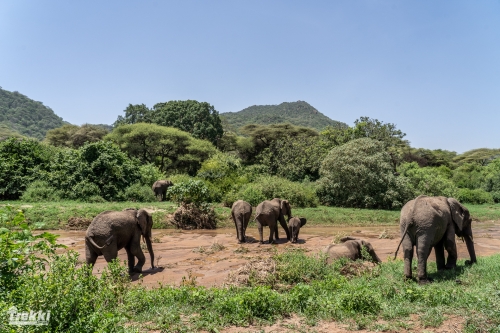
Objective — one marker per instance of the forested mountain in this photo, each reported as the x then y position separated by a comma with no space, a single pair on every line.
26,116
298,113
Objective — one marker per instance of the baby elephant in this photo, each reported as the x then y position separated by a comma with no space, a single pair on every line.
350,249
294,225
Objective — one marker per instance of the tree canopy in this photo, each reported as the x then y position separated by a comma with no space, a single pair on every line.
74,136
168,148
200,119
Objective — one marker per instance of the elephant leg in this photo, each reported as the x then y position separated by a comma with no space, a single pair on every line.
131,260
451,247
284,226
439,251
276,232
408,256
259,226
135,249
423,250
271,232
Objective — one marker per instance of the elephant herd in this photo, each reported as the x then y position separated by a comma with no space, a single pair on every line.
425,223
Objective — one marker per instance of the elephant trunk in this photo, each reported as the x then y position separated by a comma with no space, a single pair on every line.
150,250
470,247
375,257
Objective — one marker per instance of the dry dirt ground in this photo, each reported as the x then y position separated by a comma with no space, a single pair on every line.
208,256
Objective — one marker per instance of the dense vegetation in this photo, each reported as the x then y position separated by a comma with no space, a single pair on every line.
298,113
26,116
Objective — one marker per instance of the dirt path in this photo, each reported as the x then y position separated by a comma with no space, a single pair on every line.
193,253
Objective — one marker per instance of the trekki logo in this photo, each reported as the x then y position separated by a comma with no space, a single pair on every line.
28,318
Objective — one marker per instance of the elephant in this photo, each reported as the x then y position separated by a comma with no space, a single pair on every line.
268,212
111,231
240,212
160,188
351,248
294,225
428,222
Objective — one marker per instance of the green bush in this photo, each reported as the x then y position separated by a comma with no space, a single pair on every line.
491,182
496,196
428,181
477,196
359,174
85,190
269,187
468,175
140,193
40,190
191,191
149,174
78,301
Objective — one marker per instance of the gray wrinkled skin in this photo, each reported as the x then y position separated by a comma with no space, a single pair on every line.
350,248
241,212
432,222
268,213
111,231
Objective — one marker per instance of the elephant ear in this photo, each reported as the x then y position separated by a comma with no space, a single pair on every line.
459,214
303,221
142,221
285,207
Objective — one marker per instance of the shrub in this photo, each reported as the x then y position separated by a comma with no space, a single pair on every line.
149,174
491,182
191,191
85,190
359,174
269,187
428,181
496,196
477,196
140,193
41,191
468,175
78,301
191,216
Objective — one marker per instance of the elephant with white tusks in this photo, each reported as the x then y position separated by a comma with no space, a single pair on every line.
111,231
241,212
268,213
432,222
351,248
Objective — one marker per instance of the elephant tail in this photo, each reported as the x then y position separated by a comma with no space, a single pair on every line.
91,241
410,222
401,241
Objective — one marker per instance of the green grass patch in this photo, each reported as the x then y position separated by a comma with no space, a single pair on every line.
55,215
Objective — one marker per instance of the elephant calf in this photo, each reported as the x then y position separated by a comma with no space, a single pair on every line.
111,231
294,225
351,248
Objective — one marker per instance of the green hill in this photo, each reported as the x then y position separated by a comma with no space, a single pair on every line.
26,116
297,113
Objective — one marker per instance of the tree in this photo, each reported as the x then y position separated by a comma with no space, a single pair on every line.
295,158
170,149
138,113
260,137
73,136
366,127
427,157
200,119
359,174
430,181
21,162
482,156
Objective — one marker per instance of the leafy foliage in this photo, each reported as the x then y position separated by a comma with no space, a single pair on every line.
40,190
428,181
21,162
476,196
73,136
359,174
20,251
192,191
26,116
139,193
297,113
200,119
432,158
481,156
168,148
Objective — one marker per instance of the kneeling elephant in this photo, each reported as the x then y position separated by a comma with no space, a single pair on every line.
351,248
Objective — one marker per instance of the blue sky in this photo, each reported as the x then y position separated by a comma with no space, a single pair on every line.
430,67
